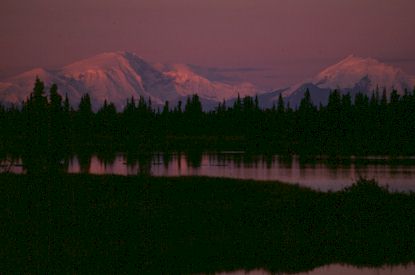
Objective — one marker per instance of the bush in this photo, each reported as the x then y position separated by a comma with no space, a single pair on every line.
366,187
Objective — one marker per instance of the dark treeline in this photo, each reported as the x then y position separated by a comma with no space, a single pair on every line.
358,125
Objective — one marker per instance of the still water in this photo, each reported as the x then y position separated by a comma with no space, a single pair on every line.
318,173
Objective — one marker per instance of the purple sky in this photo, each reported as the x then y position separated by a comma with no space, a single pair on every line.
270,42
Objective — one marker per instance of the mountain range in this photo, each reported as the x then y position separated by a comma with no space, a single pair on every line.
119,76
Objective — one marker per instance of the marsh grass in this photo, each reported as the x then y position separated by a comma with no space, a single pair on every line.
105,224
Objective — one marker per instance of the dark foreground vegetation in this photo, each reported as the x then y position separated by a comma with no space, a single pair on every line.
348,125
62,223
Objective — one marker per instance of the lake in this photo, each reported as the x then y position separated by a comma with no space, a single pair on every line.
320,173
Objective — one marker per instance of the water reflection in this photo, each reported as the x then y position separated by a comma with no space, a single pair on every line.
322,174
318,173
84,161
10,163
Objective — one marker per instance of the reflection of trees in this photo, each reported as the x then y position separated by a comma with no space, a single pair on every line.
269,160
250,160
237,158
144,164
194,158
144,160
167,158
44,160
84,158
130,159
334,163
179,160
106,157
286,161
307,161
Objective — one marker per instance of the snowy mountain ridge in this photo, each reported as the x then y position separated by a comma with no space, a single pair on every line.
118,76
351,75
352,69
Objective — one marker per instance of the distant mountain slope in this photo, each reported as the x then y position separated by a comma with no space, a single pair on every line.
119,76
353,69
351,75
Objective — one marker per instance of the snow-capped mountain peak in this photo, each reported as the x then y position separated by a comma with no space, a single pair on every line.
187,80
349,71
118,76
352,74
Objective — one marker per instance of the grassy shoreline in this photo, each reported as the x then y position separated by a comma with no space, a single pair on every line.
89,223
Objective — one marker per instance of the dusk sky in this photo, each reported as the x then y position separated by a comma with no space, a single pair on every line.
270,42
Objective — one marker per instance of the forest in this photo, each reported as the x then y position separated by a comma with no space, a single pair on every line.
348,125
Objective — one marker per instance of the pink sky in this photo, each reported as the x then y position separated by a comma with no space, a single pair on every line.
279,41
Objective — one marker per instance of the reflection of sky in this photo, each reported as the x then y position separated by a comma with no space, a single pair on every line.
317,175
